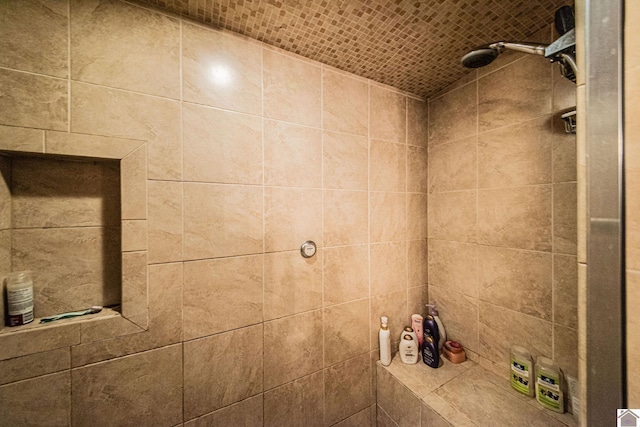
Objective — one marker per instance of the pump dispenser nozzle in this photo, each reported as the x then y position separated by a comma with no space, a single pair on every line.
433,310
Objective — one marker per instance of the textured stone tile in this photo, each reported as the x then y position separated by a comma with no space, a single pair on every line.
387,217
221,70
345,103
388,268
564,218
296,403
21,139
345,161
565,290
134,235
565,349
454,266
418,269
344,336
222,294
417,170
632,337
430,418
246,413
133,185
453,166
394,306
292,348
397,400
105,51
387,166
213,365
291,217
81,145
31,340
417,122
135,305
34,365
452,216
459,314
345,273
453,116
417,222
346,389
363,418
345,217
387,115
139,389
52,394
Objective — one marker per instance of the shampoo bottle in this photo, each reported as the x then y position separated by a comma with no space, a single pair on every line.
430,355
385,341
522,378
442,334
409,348
416,324
409,330
548,385
430,329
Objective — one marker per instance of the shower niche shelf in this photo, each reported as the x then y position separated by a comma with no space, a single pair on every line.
73,211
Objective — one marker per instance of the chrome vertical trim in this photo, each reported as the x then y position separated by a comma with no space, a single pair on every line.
606,377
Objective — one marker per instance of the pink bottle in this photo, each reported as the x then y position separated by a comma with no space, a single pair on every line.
416,324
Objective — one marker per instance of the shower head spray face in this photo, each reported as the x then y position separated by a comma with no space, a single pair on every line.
479,57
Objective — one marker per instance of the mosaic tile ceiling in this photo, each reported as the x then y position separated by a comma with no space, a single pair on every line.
413,45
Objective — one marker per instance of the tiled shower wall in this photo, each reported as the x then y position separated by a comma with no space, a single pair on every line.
502,211
251,152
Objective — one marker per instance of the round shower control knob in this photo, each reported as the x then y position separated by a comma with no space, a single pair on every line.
308,249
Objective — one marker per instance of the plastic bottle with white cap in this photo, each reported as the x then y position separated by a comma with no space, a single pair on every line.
385,341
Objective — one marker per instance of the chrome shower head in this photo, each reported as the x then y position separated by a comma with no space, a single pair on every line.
485,54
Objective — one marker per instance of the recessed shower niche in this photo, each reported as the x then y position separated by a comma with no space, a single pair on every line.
73,211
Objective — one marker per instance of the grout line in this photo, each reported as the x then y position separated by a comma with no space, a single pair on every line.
68,69
264,243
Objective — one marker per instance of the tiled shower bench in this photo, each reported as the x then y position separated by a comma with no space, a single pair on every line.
466,394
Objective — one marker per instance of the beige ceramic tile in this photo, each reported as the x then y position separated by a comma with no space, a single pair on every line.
105,51
632,336
345,103
417,297
213,365
564,92
454,266
74,268
459,314
345,273
52,394
292,348
297,403
564,218
454,115
222,220
292,89
417,122
565,349
417,265
344,334
564,154
135,288
516,155
364,418
388,268
417,216
133,185
453,166
581,154
109,324
138,389
345,217
33,101
383,419
503,328
134,235
387,216
516,279
34,365
396,399
5,196
248,412
165,221
387,115
291,217
221,70
292,284
452,216
58,193
388,166
43,49
515,217
292,155
394,306
36,340
565,290
221,146
110,112
21,139
345,161
222,294
430,418
347,388
417,170
529,96
73,144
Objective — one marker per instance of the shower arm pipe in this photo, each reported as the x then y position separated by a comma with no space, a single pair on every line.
569,59
532,48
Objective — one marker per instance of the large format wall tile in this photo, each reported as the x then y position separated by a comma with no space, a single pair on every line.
453,166
345,161
292,348
453,116
515,217
516,155
33,101
417,223
452,216
347,388
516,279
388,267
291,217
292,155
221,370
111,112
459,314
565,218
394,306
344,336
145,388
42,401
565,349
43,49
345,273
222,220
247,413
345,103
417,268
345,217
105,51
454,266
387,217
297,403
292,284
165,221
34,365
387,166
292,89
387,115
565,290
417,122
221,146
417,170
221,70
222,294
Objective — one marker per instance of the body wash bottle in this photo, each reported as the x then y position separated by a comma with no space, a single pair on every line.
385,341
416,324
442,334
430,355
